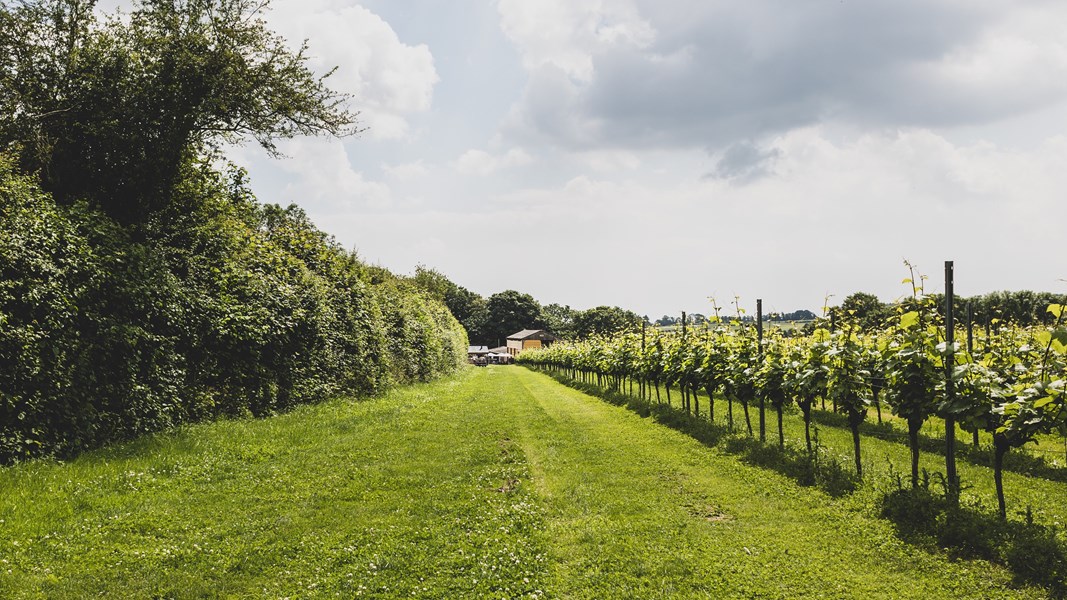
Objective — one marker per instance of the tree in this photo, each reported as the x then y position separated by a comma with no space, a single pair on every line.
1021,307
508,312
796,315
433,282
468,307
110,111
559,319
605,320
866,310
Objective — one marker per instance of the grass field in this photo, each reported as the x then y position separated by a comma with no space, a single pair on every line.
497,483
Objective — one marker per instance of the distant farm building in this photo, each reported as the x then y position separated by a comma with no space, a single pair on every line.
477,354
527,339
499,355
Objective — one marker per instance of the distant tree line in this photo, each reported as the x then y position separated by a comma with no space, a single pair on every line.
796,315
489,321
1023,308
698,319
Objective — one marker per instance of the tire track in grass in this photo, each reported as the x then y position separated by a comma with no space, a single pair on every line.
636,510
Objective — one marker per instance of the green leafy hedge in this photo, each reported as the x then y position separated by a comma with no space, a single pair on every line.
216,306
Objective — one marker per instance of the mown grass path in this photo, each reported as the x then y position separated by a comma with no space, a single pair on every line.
499,482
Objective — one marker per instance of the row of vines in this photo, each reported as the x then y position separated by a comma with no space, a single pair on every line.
1009,384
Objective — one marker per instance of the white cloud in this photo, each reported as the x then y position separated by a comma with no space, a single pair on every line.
836,216
607,161
387,78
406,171
322,178
567,33
480,162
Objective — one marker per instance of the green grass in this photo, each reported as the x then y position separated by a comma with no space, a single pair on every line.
885,459
497,483
399,496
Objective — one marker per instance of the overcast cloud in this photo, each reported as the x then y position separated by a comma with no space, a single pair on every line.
653,153
704,74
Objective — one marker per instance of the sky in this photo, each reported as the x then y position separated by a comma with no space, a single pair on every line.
654,154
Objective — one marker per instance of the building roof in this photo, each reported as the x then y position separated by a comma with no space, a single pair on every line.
537,334
477,349
499,350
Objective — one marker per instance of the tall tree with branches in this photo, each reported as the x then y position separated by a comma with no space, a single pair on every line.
109,109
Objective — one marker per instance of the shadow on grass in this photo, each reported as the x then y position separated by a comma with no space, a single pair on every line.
1030,551
811,470
1022,463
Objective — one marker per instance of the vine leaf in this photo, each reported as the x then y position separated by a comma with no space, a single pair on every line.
909,318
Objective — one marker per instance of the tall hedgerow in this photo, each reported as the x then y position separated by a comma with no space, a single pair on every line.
220,306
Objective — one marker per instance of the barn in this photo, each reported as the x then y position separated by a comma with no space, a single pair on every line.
527,339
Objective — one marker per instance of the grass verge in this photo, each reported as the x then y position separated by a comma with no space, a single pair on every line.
1033,551
421,493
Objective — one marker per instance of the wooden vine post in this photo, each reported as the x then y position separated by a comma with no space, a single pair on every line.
953,490
681,380
759,362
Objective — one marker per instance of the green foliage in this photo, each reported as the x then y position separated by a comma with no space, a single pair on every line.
222,309
468,307
865,310
1023,307
605,320
1012,389
424,339
560,320
46,267
913,368
849,383
772,378
508,312
489,322
825,483
143,288
111,111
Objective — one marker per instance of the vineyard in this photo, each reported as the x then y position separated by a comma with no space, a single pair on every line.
1003,388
